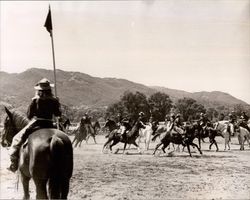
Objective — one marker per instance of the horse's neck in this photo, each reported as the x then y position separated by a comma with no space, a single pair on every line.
243,130
20,123
134,129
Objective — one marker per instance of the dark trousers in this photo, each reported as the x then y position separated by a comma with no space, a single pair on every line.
22,136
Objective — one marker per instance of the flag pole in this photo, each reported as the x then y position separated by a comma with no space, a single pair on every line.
54,62
48,25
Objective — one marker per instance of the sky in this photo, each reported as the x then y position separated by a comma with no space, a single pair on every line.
191,45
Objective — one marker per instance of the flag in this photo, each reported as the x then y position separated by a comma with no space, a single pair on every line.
48,22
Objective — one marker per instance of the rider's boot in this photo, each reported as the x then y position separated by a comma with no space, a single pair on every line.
14,160
14,151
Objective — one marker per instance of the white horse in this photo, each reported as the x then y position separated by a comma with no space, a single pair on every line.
145,134
225,128
243,135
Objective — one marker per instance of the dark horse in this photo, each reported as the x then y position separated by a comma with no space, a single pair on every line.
209,132
64,126
115,137
111,125
96,126
46,157
83,132
176,138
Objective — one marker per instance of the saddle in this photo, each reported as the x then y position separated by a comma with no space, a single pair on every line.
35,125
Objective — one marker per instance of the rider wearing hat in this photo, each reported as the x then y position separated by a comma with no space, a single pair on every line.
86,121
125,127
176,123
203,121
232,117
44,106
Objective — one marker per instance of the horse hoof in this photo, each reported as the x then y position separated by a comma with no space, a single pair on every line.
116,151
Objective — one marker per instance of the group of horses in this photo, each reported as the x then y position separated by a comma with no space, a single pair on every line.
47,156
184,135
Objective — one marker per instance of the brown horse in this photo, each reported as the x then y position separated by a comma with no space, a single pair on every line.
110,125
83,132
115,137
46,157
190,132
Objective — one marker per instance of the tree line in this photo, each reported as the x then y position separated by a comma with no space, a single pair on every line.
159,104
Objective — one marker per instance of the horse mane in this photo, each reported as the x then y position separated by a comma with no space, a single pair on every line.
20,119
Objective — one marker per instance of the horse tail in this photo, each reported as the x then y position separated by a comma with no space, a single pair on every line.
61,166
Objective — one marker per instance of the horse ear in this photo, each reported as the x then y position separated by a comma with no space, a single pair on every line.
8,112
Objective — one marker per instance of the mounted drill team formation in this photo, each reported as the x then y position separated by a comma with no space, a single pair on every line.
40,142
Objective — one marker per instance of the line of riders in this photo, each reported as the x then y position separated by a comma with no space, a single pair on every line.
45,108
176,125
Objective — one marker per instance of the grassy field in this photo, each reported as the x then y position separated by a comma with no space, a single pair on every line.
213,175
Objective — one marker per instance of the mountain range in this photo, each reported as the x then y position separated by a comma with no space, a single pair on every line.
82,90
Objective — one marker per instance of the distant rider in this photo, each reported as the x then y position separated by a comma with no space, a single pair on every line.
86,121
243,121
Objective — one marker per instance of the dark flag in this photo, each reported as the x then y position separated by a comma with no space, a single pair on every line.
48,23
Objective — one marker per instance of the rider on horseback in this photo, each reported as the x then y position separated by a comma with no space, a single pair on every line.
125,127
118,119
41,110
176,124
243,121
204,121
86,121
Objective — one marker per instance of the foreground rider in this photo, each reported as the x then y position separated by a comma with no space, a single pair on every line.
43,108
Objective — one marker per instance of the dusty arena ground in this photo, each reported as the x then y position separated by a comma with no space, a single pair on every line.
213,175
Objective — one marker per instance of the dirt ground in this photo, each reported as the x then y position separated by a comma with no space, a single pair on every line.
213,175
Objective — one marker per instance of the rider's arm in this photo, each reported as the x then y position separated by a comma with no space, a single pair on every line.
32,109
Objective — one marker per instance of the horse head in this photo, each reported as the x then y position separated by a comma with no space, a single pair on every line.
11,127
110,124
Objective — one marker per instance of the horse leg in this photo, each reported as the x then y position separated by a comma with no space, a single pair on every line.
164,147
87,138
41,192
94,139
125,144
199,139
195,145
65,188
217,148
138,147
188,147
157,146
113,144
106,143
25,181
211,140
54,188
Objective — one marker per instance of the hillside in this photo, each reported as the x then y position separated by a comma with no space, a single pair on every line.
209,99
82,90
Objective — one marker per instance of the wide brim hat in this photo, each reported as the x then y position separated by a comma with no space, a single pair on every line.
44,84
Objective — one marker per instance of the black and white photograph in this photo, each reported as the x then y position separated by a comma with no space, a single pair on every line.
125,99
